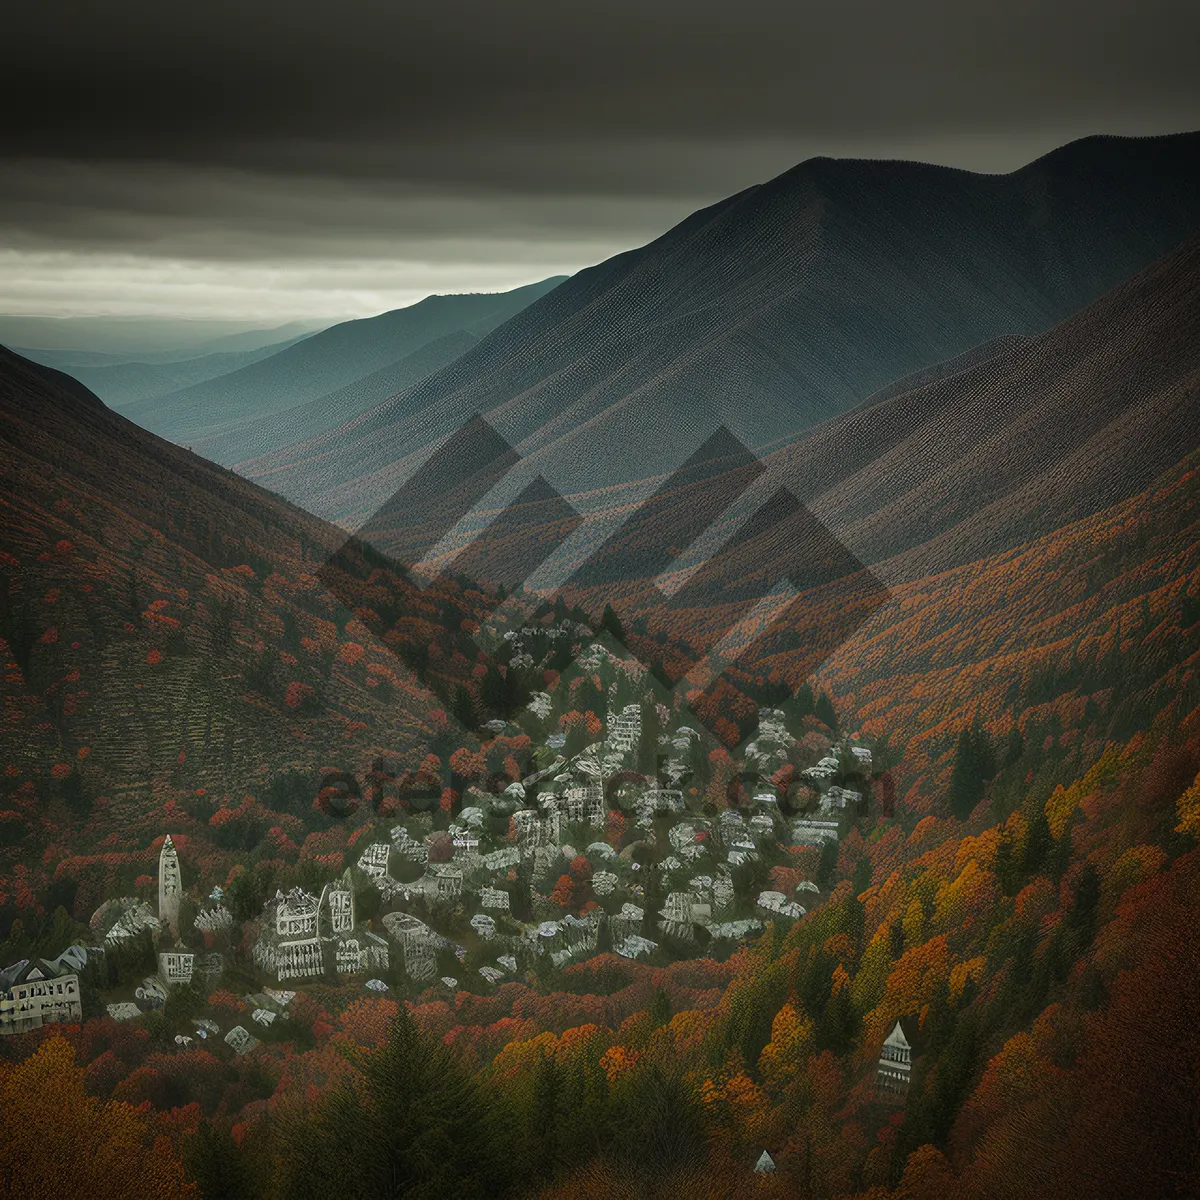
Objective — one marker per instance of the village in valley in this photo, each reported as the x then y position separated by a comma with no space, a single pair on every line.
586,854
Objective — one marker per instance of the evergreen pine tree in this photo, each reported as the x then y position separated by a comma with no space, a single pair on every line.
966,779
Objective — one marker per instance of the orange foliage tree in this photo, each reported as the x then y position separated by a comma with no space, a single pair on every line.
55,1138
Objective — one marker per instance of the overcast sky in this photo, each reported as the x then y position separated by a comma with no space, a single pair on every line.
273,161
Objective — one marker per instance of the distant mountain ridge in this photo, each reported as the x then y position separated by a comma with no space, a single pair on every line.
770,312
120,384
326,362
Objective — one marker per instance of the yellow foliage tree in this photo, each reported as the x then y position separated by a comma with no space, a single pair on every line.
789,1047
1188,809
56,1139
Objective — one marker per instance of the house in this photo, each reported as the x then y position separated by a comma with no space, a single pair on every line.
862,756
501,860
490,897
407,846
806,832
838,799
39,992
761,826
176,966
604,883
528,825
735,930
170,885
484,925
213,920
118,921
447,883
741,852
418,943
681,911
665,799
335,910
778,903
491,974
625,729
683,840
635,946
360,951
895,1062
240,1040
289,944
765,1164
374,860
628,921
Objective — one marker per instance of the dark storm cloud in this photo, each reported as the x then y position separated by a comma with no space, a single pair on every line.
430,90
464,140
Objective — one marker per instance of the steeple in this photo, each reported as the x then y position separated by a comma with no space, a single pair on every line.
170,885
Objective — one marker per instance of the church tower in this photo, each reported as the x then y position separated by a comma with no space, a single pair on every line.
170,885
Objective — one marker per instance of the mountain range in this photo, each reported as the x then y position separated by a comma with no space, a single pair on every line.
769,312
354,363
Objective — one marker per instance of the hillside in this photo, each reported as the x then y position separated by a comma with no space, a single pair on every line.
770,312
326,362
262,434
120,384
1024,908
169,642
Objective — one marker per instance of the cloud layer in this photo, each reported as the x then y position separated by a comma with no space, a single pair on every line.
358,154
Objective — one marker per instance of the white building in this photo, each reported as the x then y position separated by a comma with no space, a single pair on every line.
625,729
490,897
447,883
240,1040
484,925
628,921
635,946
170,885
604,883
418,943
289,945
213,920
501,860
409,848
335,910
176,966
374,859
117,921
806,832
778,903
33,994
895,1062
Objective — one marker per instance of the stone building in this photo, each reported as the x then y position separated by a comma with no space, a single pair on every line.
895,1062
170,885
116,921
418,943
39,992
213,920
335,910
176,966
289,945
